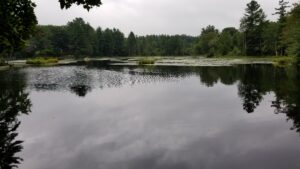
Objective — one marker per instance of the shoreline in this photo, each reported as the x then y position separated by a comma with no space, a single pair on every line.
159,61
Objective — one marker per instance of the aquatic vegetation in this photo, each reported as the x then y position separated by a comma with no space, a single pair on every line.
284,61
146,61
42,61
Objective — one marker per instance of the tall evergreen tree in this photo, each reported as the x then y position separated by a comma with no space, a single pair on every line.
292,33
99,45
131,44
108,45
252,26
282,12
81,37
119,43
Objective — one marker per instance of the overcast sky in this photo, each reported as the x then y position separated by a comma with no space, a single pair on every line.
154,16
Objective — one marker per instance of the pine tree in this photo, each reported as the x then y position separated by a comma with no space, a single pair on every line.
99,42
282,12
252,25
292,31
131,44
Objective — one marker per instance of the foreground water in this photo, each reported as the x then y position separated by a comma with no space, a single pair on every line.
75,117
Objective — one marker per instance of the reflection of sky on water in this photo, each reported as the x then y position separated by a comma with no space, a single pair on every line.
160,122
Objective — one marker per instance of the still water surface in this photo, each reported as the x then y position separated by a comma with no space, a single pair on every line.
88,117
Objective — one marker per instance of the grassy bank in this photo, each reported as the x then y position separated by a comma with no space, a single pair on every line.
277,60
42,61
284,61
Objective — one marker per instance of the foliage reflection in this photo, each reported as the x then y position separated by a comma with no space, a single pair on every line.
14,101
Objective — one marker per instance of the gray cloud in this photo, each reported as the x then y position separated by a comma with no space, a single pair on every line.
154,17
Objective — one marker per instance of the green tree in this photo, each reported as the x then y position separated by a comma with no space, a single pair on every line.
87,4
131,44
82,37
59,40
40,43
282,12
108,45
252,26
118,42
292,31
14,101
48,40
224,43
99,42
229,42
207,41
17,20
270,42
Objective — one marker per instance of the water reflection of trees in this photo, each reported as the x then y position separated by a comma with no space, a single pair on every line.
288,97
249,88
82,80
80,90
13,102
254,81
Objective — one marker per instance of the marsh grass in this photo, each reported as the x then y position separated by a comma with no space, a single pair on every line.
42,61
146,61
284,61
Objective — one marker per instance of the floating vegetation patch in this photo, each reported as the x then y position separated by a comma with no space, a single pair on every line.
146,61
42,61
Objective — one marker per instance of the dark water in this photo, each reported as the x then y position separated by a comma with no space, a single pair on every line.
77,117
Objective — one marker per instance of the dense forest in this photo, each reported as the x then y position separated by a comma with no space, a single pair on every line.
256,36
78,38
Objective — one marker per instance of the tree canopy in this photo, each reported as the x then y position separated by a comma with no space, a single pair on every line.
78,38
292,31
257,36
252,25
87,4
18,20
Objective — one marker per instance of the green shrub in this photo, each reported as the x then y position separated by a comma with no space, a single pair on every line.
284,61
146,61
42,61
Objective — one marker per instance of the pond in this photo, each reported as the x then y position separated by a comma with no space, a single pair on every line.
163,117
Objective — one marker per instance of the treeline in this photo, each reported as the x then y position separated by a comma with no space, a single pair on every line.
79,39
256,36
